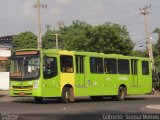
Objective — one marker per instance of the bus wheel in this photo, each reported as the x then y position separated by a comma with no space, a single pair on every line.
67,95
38,99
122,92
71,96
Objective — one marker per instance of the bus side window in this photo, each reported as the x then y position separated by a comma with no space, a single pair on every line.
96,65
110,66
145,68
123,66
66,64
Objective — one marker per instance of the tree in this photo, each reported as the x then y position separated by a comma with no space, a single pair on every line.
139,53
48,40
157,60
157,45
81,36
76,36
156,48
24,40
106,38
112,38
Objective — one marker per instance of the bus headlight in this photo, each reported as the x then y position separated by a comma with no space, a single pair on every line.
36,83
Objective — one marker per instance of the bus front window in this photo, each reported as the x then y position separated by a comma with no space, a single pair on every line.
24,68
16,68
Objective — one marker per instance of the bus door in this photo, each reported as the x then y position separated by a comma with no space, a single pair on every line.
50,75
80,76
134,72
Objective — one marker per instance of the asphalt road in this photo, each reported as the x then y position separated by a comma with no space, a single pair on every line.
27,109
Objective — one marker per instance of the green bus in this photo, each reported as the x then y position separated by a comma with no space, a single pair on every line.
62,74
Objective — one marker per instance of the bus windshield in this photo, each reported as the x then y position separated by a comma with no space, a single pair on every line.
25,68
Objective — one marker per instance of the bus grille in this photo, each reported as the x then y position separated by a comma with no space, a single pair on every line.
26,94
23,87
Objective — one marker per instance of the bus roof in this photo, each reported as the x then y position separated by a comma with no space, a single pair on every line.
93,54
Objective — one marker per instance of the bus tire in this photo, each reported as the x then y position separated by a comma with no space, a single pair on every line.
71,96
38,99
67,95
122,92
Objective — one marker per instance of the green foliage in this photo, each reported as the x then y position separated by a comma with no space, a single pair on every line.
76,36
7,65
80,36
157,60
156,48
24,40
112,38
106,38
49,40
139,53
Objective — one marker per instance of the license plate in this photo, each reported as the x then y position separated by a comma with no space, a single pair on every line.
22,94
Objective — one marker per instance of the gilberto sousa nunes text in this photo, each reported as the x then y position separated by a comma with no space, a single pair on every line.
131,117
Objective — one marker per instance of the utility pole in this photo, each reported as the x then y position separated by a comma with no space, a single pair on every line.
56,39
61,24
39,34
144,11
48,27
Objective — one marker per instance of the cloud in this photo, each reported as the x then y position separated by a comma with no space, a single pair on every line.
88,10
28,10
64,1
54,11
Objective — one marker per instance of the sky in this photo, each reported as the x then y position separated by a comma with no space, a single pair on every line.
20,15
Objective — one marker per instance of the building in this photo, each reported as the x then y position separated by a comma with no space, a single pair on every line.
5,50
6,42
